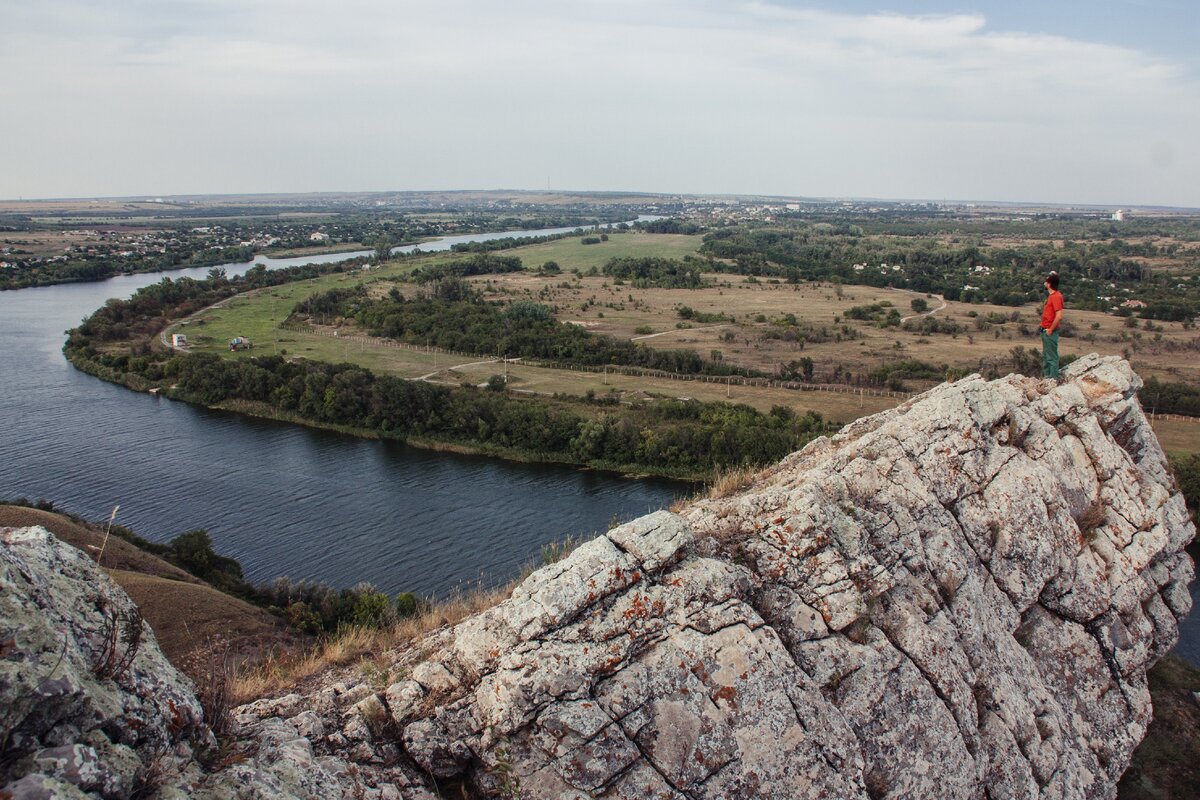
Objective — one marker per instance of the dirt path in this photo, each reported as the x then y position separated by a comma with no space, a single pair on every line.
681,330
929,313
462,366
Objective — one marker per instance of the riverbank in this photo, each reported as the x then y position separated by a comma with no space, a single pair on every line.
262,410
634,472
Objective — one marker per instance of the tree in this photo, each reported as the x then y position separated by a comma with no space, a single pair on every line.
194,552
920,305
383,248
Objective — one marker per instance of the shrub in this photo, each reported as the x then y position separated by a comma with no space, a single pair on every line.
407,604
372,609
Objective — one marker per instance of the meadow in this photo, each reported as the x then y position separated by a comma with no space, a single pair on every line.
749,325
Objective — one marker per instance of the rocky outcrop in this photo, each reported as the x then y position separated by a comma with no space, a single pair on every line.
88,703
958,598
955,598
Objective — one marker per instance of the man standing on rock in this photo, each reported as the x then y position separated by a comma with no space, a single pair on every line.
1051,319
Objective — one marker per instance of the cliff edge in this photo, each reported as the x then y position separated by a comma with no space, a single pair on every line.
957,598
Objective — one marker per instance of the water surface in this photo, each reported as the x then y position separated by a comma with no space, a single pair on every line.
282,499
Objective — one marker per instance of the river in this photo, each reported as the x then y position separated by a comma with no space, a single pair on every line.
281,499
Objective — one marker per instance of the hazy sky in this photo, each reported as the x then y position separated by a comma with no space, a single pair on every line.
1070,101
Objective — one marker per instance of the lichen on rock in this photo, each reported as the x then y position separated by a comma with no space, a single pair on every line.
957,598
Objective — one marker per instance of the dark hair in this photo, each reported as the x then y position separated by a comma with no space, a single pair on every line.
1052,279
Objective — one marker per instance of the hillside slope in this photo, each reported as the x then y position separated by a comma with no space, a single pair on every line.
190,618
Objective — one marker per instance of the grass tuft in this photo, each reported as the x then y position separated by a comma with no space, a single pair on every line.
357,644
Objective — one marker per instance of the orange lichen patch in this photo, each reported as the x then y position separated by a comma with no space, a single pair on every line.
726,693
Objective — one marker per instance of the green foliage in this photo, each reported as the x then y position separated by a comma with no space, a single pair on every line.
666,273
371,609
930,325
407,604
797,370
479,264
910,251
884,315
456,319
194,552
1165,397
893,374
920,305
691,314
1187,470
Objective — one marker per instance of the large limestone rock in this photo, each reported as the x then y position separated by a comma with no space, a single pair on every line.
88,703
958,598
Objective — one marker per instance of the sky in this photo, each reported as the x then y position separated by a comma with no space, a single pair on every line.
1057,102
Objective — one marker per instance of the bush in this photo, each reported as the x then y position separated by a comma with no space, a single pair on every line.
194,552
407,604
372,609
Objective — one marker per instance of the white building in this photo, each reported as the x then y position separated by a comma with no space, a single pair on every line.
178,340
317,236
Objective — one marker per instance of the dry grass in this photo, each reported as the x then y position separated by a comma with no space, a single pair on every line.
1090,519
622,311
730,481
119,555
354,645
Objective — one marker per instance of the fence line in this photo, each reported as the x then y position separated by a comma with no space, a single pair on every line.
1173,417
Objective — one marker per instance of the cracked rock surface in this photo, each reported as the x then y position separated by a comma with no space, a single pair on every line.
88,703
958,598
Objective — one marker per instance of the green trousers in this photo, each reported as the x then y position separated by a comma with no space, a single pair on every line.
1049,354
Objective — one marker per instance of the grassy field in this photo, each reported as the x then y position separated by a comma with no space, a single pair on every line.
651,316
1178,437
570,253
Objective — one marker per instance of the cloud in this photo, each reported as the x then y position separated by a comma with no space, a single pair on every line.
212,95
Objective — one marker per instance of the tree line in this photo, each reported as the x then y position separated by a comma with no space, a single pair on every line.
668,437
454,316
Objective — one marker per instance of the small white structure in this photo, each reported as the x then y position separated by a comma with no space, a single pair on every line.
1119,215
178,340
317,236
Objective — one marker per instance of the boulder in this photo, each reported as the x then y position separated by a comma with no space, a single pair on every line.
86,697
956,598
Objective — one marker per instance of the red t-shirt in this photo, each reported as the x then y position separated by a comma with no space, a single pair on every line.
1054,304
